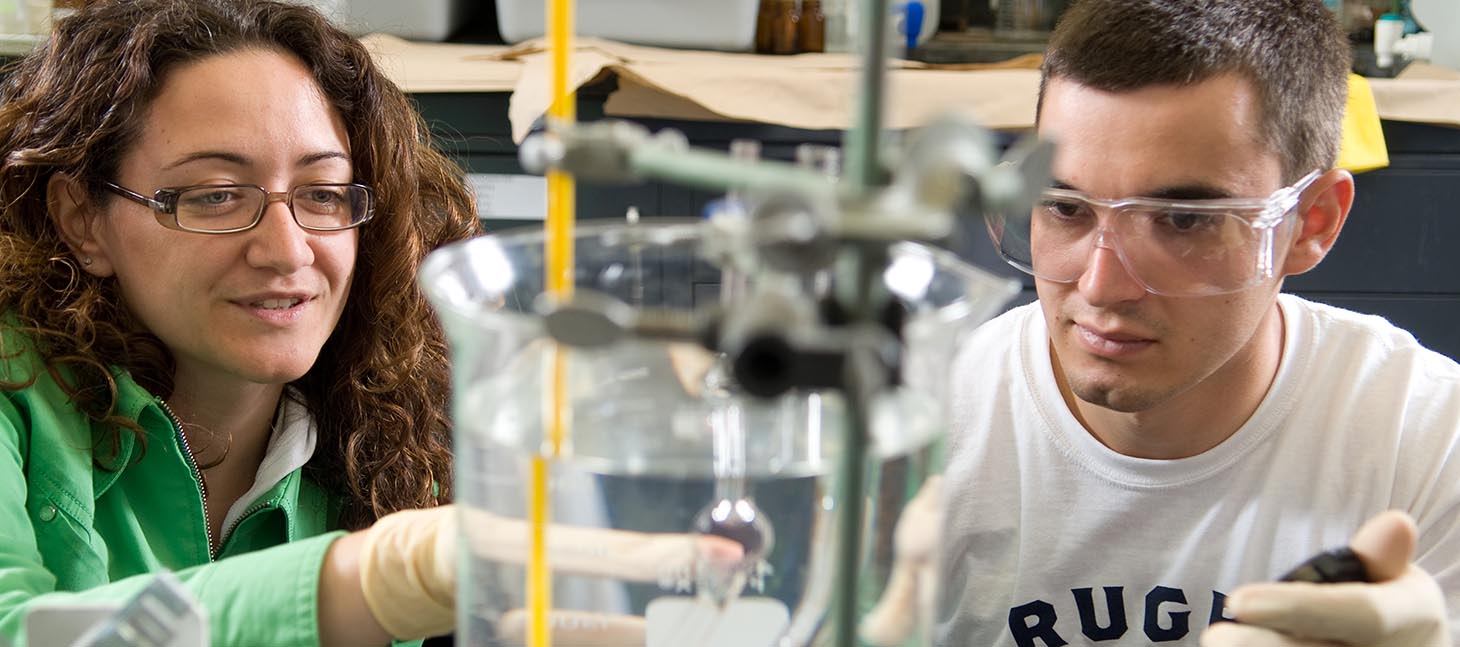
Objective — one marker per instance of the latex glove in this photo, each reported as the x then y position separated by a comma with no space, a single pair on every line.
691,364
1404,607
408,572
408,567
909,593
597,552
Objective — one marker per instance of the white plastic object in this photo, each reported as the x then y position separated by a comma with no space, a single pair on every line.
1415,46
1387,31
1442,19
930,18
432,20
897,25
162,614
698,24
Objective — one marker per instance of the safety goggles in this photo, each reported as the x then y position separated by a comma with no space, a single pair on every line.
1171,247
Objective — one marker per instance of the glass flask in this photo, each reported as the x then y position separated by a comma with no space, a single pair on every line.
682,512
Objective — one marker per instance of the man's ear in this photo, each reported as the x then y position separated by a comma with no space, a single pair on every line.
1321,214
73,214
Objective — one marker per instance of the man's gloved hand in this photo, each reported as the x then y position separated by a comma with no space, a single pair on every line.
1404,607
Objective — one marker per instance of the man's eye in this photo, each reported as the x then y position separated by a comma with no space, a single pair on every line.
1063,208
1185,222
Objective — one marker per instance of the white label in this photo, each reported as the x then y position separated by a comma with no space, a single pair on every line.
502,196
746,622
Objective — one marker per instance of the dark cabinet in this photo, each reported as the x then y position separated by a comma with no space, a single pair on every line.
1397,254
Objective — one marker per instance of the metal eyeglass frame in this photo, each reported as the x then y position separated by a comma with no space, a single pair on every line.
164,204
1270,212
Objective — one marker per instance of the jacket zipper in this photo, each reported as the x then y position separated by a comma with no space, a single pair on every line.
239,521
197,474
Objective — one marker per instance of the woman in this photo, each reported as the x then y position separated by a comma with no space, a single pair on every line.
213,356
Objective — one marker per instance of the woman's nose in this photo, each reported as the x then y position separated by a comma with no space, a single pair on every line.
278,241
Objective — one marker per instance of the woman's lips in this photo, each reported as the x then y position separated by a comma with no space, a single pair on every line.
276,310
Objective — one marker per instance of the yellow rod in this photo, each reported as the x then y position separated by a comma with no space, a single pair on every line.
559,279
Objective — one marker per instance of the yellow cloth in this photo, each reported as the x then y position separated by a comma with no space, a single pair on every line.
1363,147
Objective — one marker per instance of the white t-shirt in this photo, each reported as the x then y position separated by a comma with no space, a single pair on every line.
1053,538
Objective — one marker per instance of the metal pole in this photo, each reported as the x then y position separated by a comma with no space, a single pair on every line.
863,141
861,273
849,499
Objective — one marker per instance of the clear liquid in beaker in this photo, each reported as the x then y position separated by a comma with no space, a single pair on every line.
626,499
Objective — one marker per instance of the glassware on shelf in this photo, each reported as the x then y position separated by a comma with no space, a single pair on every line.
812,26
784,28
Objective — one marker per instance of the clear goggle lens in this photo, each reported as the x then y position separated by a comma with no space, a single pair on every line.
1190,248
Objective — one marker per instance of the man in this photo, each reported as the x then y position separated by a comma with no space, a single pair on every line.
1163,427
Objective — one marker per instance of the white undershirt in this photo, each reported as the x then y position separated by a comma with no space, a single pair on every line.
290,446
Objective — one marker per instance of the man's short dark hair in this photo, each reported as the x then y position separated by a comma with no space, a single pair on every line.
1292,51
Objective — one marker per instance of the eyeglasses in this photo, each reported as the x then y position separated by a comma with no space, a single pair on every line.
1171,247
232,208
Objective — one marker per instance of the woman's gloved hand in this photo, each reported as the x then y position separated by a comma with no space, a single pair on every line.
1403,607
408,571
408,565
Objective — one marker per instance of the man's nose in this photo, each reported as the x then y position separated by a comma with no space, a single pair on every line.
1106,279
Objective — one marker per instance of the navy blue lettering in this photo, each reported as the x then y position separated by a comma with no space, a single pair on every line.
1178,629
1219,608
1115,607
1044,616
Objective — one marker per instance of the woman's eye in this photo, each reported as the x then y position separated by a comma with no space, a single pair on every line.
209,197
319,198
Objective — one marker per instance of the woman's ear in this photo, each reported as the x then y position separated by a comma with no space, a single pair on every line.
73,214
1321,214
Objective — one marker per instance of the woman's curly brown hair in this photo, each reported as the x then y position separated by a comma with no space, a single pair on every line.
379,388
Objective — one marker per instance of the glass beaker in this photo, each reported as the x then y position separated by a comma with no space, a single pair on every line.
681,512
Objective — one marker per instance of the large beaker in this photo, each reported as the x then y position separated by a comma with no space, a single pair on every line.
666,462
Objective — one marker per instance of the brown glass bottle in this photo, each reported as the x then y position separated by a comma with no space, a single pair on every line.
812,26
765,20
783,28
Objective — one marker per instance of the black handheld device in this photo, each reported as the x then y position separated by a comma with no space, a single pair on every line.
1338,565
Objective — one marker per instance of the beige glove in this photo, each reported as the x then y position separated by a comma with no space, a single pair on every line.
598,552
577,628
1403,608
408,565
408,572
908,596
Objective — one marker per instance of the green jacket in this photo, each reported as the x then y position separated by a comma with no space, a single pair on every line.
72,533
